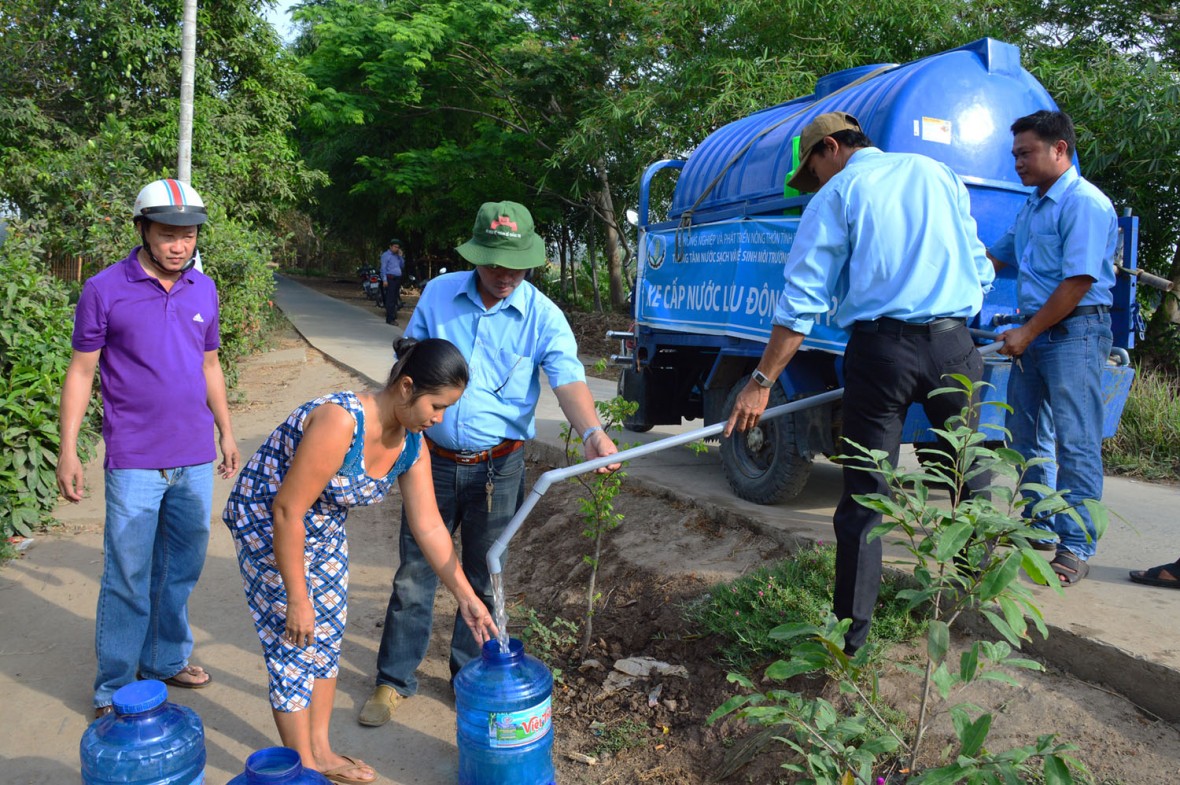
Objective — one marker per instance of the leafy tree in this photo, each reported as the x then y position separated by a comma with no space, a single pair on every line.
405,132
86,72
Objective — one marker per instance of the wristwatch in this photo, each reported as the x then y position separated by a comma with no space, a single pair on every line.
761,379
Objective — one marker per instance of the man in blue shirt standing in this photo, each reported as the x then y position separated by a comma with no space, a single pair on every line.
509,332
392,266
1063,245
890,237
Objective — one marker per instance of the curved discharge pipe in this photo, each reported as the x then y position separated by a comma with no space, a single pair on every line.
556,475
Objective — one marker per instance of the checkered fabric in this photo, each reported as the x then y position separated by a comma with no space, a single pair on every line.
293,669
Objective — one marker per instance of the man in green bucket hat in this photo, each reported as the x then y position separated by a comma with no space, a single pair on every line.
509,332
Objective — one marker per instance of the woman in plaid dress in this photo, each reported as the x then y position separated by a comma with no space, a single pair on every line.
286,514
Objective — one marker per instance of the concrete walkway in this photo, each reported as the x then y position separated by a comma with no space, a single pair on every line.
1105,630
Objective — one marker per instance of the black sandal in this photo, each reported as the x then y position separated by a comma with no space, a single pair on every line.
1069,568
1152,577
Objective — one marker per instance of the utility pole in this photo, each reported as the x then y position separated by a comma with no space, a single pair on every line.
188,58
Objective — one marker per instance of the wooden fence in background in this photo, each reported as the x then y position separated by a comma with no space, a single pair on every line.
67,268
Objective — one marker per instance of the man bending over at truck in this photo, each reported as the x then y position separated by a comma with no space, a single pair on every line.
880,229
1062,245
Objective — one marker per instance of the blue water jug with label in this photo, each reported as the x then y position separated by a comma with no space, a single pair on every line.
145,740
277,766
504,714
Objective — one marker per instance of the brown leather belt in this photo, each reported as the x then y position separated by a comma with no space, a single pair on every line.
469,457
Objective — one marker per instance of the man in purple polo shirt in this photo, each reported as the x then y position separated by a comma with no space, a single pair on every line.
150,324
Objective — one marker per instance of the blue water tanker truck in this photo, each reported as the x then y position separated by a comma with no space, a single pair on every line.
710,273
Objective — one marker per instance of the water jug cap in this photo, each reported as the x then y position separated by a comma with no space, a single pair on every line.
140,696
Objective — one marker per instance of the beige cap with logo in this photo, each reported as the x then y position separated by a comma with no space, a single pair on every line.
826,124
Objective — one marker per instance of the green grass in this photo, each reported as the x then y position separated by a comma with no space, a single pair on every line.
794,590
618,736
1148,440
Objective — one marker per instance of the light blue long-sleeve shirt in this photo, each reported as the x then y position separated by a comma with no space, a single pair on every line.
890,235
391,264
506,347
1072,230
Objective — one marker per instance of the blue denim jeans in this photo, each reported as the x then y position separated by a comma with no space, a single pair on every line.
154,542
1056,396
463,501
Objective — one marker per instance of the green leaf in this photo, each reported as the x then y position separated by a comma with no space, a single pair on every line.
728,707
786,632
1056,771
974,735
943,680
1098,516
997,579
1001,627
1014,616
938,640
1038,569
969,663
781,670
953,540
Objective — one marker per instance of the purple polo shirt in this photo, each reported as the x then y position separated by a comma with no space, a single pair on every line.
155,412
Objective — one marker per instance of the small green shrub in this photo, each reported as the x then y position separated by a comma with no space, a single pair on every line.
967,555
547,641
597,506
36,321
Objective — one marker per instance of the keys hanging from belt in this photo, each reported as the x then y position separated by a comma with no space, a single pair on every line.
490,487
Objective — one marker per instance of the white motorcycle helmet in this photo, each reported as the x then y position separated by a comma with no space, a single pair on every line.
168,202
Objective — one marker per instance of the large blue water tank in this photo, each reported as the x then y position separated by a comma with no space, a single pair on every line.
955,106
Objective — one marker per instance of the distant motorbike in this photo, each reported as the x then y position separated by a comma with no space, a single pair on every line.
371,283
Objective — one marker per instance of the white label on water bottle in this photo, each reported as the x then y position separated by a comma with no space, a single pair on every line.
518,728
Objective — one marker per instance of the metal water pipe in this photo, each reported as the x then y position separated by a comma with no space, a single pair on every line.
556,475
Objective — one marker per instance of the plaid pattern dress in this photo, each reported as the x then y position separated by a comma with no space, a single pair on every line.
292,669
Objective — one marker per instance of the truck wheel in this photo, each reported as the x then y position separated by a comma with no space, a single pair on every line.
630,423
762,465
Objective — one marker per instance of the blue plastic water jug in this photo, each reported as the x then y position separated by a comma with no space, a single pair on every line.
504,715
275,765
144,740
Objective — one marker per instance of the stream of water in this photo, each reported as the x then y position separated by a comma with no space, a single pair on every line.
499,609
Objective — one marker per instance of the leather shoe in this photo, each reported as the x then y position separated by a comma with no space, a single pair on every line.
378,709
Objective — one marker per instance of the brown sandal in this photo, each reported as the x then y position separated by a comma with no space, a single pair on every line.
337,774
189,670
1152,577
1069,568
